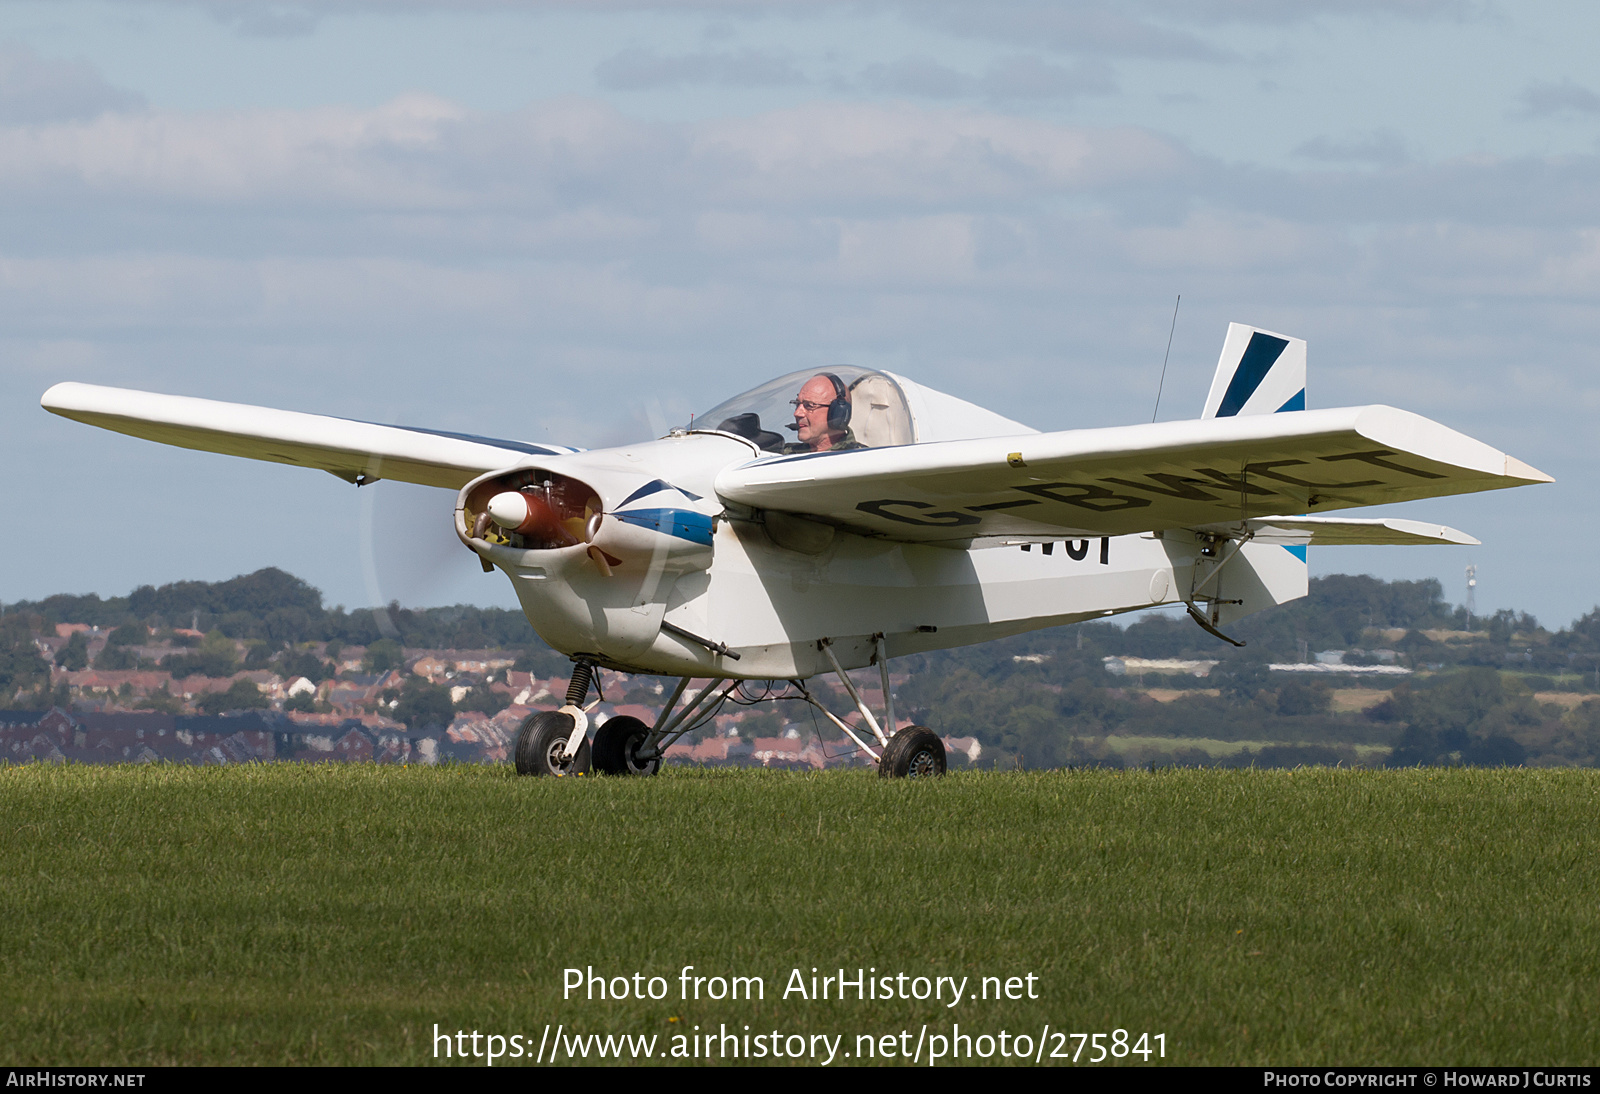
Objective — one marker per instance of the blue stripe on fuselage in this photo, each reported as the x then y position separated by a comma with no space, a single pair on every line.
680,523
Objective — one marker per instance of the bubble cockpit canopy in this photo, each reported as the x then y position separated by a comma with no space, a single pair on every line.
848,407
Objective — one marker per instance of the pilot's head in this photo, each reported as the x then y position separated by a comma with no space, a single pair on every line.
821,413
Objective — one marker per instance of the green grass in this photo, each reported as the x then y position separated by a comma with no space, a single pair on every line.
1138,748
333,914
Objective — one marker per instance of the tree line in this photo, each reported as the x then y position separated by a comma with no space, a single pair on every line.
1038,699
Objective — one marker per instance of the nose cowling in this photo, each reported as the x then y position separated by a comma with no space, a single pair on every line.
541,510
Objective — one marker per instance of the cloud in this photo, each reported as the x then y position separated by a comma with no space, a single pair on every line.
571,217
642,69
1383,147
917,76
578,176
1027,77
1095,29
33,89
327,155
1012,78
420,157
267,19
1555,192
1296,11
1099,29
854,154
1135,27
1543,100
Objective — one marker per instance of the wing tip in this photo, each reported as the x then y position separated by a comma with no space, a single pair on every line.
1516,469
55,398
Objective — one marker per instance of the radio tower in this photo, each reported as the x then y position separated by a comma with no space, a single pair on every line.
1472,590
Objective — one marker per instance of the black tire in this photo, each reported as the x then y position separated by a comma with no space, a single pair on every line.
916,752
616,748
541,741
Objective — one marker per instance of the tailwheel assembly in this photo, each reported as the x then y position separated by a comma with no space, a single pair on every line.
617,747
542,745
916,752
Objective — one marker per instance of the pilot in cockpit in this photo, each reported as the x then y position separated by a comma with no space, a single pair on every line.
822,416
830,414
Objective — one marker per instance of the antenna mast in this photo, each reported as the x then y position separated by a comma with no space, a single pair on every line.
1163,382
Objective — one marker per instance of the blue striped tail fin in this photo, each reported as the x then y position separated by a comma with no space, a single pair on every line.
1259,372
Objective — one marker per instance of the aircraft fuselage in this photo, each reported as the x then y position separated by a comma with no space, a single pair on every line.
671,577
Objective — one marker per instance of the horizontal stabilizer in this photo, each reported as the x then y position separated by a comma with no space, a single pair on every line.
352,450
1340,531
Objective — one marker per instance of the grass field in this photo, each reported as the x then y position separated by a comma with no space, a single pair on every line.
333,914
1136,749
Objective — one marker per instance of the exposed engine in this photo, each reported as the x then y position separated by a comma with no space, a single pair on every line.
533,509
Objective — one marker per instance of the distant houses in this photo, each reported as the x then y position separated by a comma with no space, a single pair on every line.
118,737
58,736
318,703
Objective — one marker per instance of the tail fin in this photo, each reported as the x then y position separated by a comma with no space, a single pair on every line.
1259,372
1266,575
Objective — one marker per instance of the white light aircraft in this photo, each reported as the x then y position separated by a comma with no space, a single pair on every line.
897,520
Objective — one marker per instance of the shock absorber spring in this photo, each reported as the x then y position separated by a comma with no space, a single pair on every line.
578,689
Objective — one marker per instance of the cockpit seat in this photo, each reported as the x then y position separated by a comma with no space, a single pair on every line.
749,426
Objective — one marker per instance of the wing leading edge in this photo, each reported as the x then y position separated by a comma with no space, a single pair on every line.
1130,479
352,450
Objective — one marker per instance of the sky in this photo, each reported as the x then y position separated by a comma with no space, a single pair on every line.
580,222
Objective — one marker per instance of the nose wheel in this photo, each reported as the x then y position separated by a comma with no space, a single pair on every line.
542,746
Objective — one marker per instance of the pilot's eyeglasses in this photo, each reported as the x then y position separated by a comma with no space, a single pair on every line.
808,406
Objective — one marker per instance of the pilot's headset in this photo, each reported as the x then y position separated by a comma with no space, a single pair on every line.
839,409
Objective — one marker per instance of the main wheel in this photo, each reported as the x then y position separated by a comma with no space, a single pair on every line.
542,744
616,748
916,752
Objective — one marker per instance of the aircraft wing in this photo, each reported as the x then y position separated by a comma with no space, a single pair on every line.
1143,478
352,450
1339,531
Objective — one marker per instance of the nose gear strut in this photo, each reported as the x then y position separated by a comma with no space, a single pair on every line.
583,675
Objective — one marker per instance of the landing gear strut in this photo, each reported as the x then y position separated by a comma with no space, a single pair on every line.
915,752
556,742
